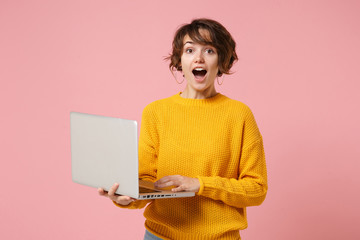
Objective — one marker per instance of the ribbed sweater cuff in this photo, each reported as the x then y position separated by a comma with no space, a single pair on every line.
201,186
206,184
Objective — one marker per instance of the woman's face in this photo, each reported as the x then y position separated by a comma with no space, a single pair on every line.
199,65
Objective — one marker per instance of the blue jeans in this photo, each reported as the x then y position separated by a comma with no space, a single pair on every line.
150,236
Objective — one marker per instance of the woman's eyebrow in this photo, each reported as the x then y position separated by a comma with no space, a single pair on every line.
190,42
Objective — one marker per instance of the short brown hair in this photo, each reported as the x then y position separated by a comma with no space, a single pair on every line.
220,38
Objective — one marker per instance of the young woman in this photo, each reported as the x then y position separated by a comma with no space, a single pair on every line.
199,140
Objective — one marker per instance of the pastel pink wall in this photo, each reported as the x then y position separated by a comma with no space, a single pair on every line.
298,71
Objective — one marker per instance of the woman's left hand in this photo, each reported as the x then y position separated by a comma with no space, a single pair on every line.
181,183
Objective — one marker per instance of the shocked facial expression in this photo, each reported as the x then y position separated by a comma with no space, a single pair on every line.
199,65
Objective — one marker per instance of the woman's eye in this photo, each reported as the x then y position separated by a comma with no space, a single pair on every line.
209,51
189,50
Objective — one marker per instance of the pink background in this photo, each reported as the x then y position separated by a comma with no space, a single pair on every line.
298,71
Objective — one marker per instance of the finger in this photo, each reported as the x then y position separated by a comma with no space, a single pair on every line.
113,189
102,192
168,178
178,189
172,180
124,200
162,180
165,184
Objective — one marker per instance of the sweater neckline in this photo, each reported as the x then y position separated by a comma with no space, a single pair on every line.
199,102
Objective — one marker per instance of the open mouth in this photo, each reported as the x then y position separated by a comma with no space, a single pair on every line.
199,72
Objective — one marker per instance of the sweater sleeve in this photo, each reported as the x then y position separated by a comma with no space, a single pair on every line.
250,188
148,142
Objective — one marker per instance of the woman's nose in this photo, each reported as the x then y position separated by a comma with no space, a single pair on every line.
199,57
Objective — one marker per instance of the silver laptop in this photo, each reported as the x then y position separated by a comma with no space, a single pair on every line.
104,151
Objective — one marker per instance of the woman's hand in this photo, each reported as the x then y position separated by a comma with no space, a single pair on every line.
122,200
181,183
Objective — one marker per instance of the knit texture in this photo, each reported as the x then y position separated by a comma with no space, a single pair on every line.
215,140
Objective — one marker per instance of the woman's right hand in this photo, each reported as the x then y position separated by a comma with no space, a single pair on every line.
119,199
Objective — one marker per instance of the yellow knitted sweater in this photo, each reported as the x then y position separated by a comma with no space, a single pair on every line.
217,141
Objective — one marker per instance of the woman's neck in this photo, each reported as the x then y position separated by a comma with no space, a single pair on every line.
191,93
